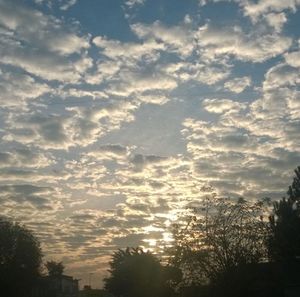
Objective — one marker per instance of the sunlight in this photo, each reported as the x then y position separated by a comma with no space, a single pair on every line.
152,228
167,237
152,242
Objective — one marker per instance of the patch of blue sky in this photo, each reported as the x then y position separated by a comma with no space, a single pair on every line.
224,14
256,71
292,26
169,12
101,18
149,119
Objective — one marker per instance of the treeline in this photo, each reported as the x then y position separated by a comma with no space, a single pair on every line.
21,265
222,248
20,259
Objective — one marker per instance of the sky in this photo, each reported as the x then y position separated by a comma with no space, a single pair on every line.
115,114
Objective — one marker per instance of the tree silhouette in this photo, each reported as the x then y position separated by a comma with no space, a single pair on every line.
55,268
20,259
284,240
135,273
294,189
218,238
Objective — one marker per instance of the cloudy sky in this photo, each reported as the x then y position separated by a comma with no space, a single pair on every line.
114,114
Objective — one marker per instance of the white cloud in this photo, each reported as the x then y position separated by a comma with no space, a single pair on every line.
238,84
133,51
276,20
254,9
39,43
254,146
293,58
132,3
131,70
226,153
158,98
68,4
75,126
245,47
61,4
106,70
281,75
136,82
41,64
222,105
52,35
67,93
176,38
202,72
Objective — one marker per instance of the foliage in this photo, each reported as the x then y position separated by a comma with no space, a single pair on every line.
218,237
135,273
20,259
294,189
284,240
55,268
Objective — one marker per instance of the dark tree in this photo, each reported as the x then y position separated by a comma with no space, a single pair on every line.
20,259
294,188
55,268
284,241
218,239
135,273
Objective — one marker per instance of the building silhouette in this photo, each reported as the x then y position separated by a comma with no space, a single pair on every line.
56,286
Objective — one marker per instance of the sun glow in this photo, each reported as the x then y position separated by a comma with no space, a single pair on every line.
167,237
151,242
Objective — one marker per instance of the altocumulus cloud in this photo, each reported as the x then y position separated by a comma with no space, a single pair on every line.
91,115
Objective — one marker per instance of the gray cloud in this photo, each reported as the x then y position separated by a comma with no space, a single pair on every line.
27,194
16,89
